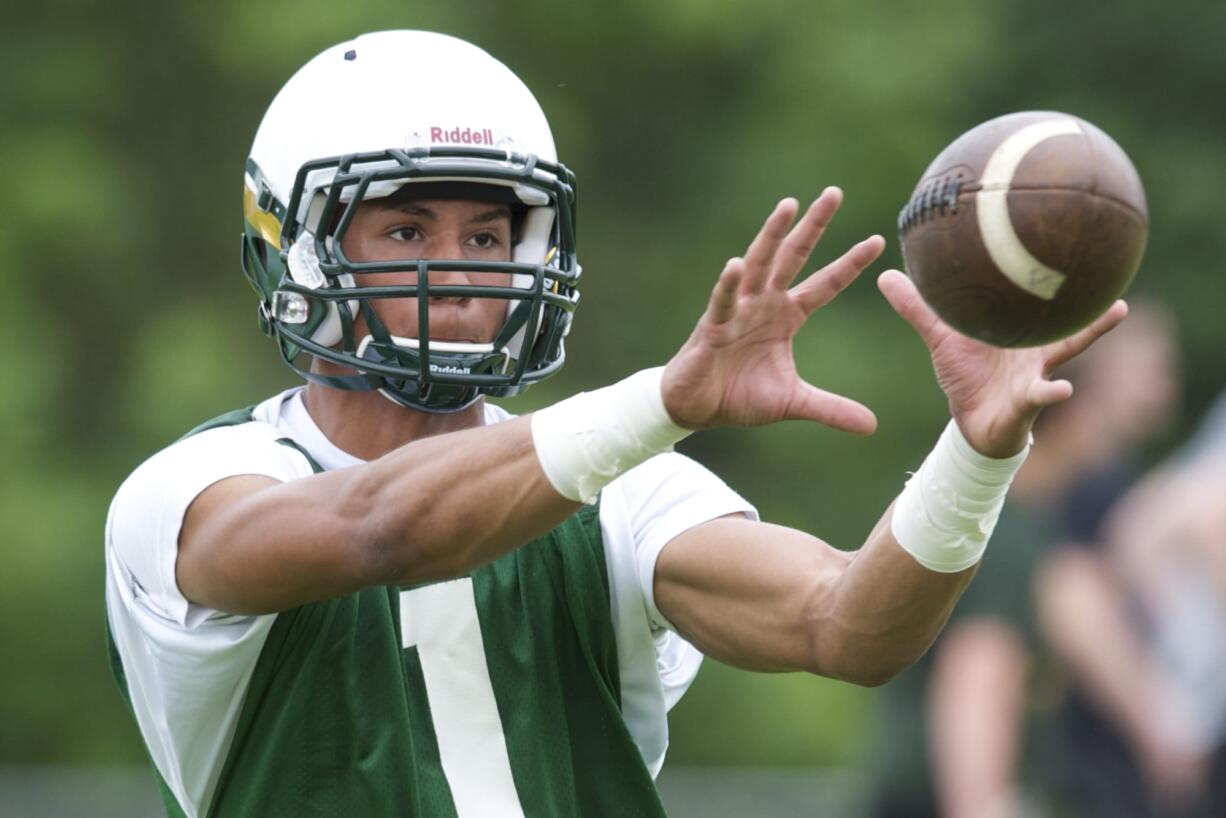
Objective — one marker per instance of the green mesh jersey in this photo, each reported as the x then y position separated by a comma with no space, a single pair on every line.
492,695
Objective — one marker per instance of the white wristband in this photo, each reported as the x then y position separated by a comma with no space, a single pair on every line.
586,441
946,513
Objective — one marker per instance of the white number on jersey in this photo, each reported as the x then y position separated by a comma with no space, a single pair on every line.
441,621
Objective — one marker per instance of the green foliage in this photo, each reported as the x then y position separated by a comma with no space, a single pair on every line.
125,320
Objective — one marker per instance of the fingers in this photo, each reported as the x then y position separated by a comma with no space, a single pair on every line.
1044,393
777,254
1047,393
1064,351
795,250
900,291
829,409
820,288
722,305
761,252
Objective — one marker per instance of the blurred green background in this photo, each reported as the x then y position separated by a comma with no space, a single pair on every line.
124,319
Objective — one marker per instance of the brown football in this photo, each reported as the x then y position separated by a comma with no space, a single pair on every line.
1025,229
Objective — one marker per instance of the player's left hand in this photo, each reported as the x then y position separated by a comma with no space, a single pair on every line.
994,393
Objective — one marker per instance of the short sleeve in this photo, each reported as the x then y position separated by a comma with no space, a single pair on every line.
664,497
640,513
147,512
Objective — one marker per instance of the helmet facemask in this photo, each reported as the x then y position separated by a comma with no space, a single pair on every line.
312,302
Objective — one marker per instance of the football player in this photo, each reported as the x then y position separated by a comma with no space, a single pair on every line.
381,595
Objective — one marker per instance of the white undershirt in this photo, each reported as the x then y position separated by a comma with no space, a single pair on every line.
188,667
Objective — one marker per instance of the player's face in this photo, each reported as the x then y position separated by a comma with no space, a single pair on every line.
434,229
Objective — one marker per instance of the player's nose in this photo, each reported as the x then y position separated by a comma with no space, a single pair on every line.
449,250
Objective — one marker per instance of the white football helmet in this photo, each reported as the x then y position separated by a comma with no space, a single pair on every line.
361,121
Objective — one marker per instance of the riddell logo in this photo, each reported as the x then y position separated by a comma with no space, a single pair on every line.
449,369
462,136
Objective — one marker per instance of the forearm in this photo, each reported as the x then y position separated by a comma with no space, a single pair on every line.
445,505
441,506
772,598
433,509
904,581
524,477
884,610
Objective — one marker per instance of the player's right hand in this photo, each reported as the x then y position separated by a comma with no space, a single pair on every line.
994,393
737,368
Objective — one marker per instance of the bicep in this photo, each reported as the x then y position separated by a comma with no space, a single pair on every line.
251,544
148,512
747,593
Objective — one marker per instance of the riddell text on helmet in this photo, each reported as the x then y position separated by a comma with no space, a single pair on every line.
462,136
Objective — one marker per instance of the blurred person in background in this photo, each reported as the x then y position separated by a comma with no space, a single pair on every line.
379,595
1135,607
958,738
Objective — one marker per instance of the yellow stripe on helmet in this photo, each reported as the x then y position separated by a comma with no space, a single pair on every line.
268,224
549,257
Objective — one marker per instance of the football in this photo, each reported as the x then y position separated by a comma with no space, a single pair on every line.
1025,229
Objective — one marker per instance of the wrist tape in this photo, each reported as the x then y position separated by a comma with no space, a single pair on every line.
586,441
948,508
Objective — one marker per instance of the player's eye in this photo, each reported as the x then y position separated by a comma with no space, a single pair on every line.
485,240
405,233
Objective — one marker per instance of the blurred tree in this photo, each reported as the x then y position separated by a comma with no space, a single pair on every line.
125,320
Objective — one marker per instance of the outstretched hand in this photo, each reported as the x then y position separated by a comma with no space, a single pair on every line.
994,393
737,368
